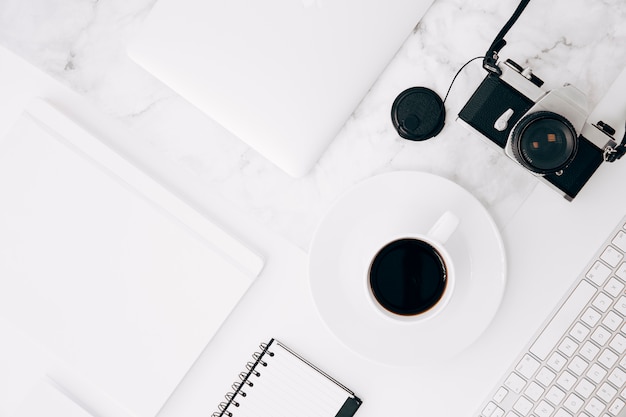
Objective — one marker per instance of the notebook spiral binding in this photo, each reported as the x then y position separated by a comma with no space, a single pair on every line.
238,387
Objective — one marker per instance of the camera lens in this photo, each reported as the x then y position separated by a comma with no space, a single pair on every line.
544,142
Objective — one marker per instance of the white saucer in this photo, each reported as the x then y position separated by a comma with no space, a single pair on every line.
390,205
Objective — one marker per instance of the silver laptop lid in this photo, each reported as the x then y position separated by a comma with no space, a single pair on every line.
282,75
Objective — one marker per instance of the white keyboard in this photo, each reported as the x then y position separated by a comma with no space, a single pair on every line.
575,366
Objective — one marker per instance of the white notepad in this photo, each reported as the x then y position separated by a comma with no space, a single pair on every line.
281,383
104,267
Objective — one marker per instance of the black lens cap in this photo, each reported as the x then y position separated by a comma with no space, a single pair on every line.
418,113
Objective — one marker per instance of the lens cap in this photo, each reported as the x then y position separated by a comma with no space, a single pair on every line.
418,113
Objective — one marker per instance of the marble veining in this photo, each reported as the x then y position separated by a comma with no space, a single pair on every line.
82,43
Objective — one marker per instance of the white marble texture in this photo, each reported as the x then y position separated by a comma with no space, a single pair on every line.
82,43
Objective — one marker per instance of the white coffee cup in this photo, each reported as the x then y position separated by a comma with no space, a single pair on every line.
411,277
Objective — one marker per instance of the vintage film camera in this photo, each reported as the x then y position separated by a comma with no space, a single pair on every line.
545,131
548,132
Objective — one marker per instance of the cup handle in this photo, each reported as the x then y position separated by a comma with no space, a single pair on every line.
444,227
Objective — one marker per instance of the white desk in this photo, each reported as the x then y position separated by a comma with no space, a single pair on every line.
277,214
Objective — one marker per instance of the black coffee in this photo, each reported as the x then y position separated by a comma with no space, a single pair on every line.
408,276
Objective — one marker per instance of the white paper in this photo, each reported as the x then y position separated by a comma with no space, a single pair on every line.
105,277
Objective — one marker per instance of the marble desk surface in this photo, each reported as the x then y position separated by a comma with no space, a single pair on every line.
82,43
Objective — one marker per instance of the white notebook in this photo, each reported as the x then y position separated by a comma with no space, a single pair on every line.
104,267
281,383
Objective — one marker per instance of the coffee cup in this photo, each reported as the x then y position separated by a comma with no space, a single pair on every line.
411,277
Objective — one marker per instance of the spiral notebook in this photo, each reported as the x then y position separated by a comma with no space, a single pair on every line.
279,382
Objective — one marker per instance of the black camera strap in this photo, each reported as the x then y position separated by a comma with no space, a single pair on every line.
490,60
491,57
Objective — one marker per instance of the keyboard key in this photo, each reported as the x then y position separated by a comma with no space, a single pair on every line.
614,287
489,409
595,407
602,302
566,381
527,366
544,409
562,413
596,373
608,358
523,406
545,376
612,321
568,347
500,395
612,256
573,403
607,393
562,320
617,377
534,391
618,344
591,316
589,351
601,336
620,241
498,412
515,382
616,407
585,388
598,273
578,365
555,396
621,271
579,332
557,361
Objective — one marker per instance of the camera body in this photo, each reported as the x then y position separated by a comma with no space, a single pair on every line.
545,131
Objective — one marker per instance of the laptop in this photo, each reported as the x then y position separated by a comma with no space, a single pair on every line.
282,75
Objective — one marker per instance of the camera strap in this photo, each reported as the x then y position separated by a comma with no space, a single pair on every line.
491,57
612,154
